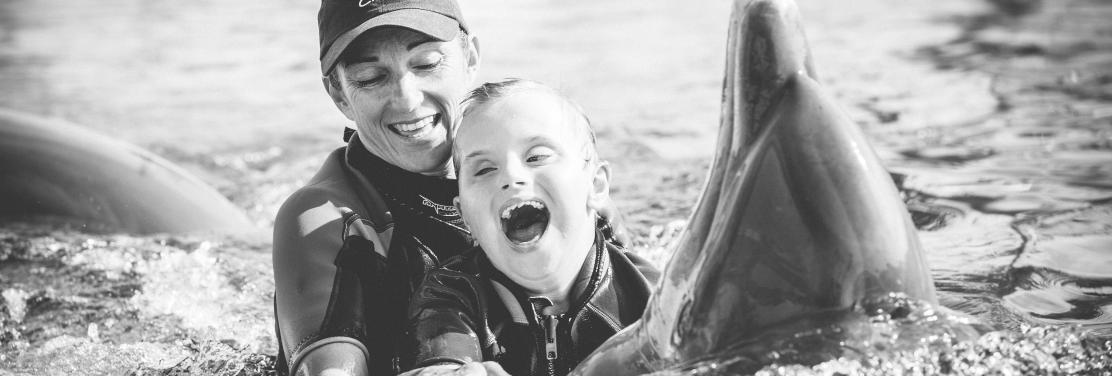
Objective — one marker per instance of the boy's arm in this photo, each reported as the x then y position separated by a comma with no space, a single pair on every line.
333,359
442,320
469,369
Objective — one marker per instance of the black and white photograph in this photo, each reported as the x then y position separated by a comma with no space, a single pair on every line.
540,187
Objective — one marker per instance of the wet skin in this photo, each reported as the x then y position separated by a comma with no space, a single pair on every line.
531,148
798,221
401,89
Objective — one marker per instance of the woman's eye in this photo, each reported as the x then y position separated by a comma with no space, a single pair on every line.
374,80
429,64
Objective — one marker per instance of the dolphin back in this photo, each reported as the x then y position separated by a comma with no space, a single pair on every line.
60,172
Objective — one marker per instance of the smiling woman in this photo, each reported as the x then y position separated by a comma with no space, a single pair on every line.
351,244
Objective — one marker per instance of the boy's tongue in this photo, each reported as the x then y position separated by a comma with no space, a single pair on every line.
525,223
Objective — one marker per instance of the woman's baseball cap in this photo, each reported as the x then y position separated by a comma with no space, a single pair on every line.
341,21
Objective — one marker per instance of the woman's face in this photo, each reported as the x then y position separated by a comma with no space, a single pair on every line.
402,89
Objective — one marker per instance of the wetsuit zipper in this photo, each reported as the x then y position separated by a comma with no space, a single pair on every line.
544,313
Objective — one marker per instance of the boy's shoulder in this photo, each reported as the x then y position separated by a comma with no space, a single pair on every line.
623,260
467,262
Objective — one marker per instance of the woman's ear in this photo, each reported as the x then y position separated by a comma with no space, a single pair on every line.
337,94
599,197
473,57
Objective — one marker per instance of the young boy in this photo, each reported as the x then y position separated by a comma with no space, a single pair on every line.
544,288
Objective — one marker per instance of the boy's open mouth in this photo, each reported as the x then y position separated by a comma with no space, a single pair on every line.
525,221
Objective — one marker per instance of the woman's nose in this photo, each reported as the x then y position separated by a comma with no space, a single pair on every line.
407,94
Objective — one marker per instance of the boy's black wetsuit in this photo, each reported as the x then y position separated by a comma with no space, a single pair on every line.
467,310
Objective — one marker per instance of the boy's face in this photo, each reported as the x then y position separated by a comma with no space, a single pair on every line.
527,191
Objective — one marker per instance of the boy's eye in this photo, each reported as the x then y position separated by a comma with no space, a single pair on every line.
484,171
539,154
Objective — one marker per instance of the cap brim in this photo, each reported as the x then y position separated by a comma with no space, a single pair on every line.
430,23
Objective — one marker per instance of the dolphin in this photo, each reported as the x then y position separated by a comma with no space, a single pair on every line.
798,223
64,173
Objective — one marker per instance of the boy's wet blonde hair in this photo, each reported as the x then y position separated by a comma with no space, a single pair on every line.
491,91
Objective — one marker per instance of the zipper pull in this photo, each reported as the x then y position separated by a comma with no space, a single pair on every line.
550,336
549,320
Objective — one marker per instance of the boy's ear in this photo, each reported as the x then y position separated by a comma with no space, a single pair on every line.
455,202
338,98
599,197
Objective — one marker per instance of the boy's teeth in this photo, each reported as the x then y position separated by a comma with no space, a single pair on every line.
535,204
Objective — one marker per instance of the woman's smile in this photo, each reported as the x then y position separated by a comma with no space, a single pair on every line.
415,129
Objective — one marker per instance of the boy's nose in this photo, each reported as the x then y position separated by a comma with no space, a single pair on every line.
516,176
511,184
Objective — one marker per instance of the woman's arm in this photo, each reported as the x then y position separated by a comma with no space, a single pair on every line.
319,310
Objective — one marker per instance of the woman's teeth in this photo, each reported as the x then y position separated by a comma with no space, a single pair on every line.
414,129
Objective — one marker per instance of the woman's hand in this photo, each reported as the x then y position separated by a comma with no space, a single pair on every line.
468,369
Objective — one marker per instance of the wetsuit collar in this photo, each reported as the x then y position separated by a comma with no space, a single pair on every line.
433,195
421,205
584,287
